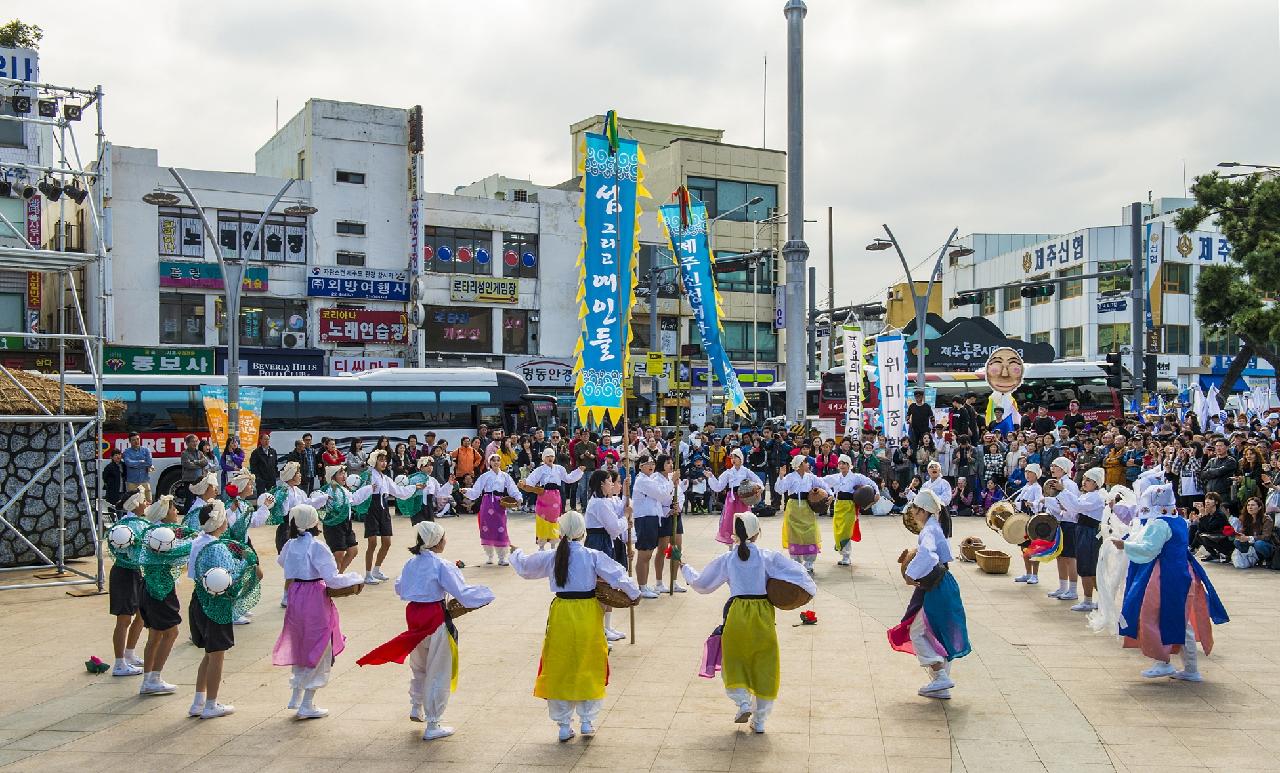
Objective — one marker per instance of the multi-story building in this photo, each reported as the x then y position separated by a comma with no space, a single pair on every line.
1086,319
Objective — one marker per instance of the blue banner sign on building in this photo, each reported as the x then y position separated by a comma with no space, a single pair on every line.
366,283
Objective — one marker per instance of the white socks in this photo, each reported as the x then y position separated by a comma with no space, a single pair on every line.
130,657
1071,587
1062,586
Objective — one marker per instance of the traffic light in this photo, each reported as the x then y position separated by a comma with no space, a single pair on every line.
966,299
1149,373
1038,291
1115,371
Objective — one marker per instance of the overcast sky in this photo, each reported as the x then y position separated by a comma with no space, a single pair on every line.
990,115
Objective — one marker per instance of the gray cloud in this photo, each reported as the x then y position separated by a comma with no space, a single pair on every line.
994,115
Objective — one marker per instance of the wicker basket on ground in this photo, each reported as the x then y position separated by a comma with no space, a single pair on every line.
993,561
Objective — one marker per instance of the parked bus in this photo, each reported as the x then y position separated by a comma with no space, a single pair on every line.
396,402
1053,384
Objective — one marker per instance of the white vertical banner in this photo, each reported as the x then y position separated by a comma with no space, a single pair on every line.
853,382
891,354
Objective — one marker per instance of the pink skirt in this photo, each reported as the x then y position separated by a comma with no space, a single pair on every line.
493,522
1197,612
310,625
731,509
548,506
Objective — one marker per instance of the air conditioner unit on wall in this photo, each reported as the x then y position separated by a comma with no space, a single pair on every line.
294,340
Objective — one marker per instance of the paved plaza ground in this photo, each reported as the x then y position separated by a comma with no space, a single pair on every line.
1038,693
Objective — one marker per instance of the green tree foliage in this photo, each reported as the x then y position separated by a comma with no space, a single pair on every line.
18,34
1233,298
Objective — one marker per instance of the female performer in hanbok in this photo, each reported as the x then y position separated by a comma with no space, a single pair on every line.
377,522
551,478
1169,603
431,641
844,524
733,476
335,518
607,521
125,584
749,640
492,485
312,635
290,479
574,668
933,628
800,525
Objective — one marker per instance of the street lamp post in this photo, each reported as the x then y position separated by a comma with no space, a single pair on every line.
232,286
921,303
795,251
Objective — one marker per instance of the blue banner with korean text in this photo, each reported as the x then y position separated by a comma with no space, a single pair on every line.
686,225
612,184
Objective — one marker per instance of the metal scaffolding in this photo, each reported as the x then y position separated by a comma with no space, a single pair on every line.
58,267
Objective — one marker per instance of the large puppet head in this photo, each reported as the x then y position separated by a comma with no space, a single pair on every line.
1004,370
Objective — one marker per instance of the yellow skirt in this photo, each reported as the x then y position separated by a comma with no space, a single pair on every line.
575,657
749,645
845,522
545,530
800,525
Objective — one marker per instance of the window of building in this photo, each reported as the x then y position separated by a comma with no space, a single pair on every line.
668,281
1072,289
454,250
181,233
988,302
742,281
453,329
516,332
12,133
350,228
520,195
302,164
668,334
346,258
1177,339
265,321
721,196
1215,343
352,178
182,318
1071,342
519,255
1113,283
1040,301
1113,337
738,341
1176,278
283,238
1040,338
1012,298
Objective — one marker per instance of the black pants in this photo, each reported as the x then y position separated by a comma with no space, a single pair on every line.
1218,545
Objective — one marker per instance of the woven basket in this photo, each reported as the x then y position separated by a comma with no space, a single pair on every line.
969,548
350,590
993,561
786,595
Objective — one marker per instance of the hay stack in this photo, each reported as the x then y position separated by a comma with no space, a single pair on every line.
45,388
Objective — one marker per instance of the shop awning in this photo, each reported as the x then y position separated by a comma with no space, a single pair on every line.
1215,379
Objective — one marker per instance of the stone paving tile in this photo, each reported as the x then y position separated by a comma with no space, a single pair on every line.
1039,693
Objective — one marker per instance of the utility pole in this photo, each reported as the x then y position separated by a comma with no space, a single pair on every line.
654,335
795,252
1136,263
831,285
812,352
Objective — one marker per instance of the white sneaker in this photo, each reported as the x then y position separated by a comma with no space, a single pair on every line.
371,579
435,730
294,701
213,710
843,562
196,709
646,592
126,669
1187,676
1068,596
661,588
743,715
311,712
157,687
133,660
241,620
758,726
940,683
377,572
586,729
417,713
1022,578
678,588
613,635
566,733
1033,579
1055,594
942,695
488,561
284,599
1159,670
1083,606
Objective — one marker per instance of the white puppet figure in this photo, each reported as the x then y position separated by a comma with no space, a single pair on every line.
1112,562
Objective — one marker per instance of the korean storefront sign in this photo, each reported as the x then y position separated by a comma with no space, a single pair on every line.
361,326
542,372
158,361
486,289
208,276
366,283
339,366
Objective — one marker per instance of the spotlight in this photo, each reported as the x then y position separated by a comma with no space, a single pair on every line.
6,187
21,104
71,112
47,108
52,189
27,191
76,193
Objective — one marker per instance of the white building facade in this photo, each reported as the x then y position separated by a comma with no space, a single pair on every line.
1087,319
